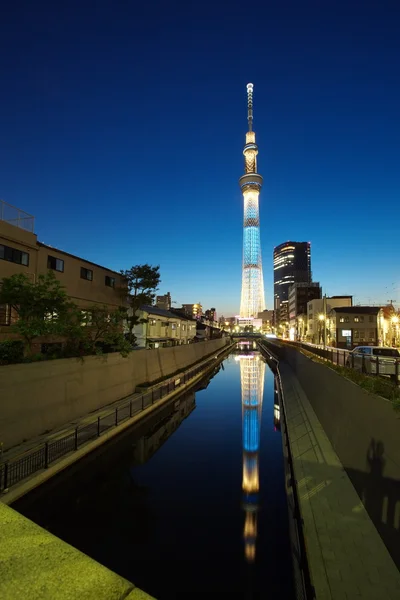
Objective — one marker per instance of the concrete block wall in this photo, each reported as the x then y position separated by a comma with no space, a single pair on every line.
40,397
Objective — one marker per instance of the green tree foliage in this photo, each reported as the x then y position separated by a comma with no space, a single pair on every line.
41,306
142,283
101,330
44,310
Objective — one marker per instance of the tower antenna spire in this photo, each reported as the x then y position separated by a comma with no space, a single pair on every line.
250,105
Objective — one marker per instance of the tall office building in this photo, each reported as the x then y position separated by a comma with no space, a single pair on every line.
292,264
252,299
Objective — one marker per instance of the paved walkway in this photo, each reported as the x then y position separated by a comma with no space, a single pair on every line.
347,557
37,565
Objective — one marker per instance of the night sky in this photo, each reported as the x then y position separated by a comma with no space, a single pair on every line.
122,126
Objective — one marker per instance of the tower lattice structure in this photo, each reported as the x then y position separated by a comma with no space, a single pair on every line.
252,372
252,299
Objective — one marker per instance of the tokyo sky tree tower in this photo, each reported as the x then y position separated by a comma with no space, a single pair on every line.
252,300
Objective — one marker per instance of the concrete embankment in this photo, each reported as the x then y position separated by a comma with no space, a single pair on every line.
350,506
37,565
40,397
102,425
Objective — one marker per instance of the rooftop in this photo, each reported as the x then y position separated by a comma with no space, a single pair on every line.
85,260
17,217
358,310
154,310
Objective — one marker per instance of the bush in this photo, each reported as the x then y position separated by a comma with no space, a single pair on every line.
11,352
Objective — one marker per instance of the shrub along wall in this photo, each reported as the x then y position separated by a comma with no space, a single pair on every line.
39,397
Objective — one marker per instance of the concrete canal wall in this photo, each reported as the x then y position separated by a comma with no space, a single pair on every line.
40,397
364,431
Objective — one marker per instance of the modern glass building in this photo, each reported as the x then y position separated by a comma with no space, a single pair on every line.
292,264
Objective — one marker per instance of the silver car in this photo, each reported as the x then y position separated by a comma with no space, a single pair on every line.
375,360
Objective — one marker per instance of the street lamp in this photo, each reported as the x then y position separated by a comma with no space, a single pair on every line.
321,318
395,328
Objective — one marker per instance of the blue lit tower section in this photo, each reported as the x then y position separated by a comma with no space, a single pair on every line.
252,299
252,371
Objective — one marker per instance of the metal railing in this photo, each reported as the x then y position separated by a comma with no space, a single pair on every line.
42,456
17,217
366,363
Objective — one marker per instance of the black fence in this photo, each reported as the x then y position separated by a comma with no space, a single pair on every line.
40,457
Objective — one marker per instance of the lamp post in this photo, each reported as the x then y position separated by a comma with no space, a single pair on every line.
395,328
321,320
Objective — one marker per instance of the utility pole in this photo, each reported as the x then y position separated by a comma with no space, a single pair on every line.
324,305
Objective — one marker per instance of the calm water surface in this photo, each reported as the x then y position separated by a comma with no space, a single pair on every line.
190,502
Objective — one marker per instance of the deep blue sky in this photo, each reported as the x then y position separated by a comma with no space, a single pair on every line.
122,127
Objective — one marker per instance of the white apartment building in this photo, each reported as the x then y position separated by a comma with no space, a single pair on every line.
162,328
316,315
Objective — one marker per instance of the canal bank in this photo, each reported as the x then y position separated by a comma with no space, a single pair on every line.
347,557
189,503
63,390
26,467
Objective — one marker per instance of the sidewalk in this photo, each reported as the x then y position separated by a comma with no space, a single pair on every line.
347,557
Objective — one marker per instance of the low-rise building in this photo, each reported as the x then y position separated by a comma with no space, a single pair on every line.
267,320
193,310
317,310
351,326
85,283
162,328
164,301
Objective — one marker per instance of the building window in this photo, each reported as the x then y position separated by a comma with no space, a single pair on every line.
372,335
55,263
5,314
356,334
87,317
14,255
341,320
347,319
173,326
371,318
109,281
86,274
152,322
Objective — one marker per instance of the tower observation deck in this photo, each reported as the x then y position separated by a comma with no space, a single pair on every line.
252,298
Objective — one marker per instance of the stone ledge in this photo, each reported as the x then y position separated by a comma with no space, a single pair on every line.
37,565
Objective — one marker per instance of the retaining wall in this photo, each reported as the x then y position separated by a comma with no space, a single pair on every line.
39,397
365,433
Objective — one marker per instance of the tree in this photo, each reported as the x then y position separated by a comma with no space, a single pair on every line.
41,306
101,329
142,282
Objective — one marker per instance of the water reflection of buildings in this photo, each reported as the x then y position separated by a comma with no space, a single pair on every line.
277,408
154,438
252,372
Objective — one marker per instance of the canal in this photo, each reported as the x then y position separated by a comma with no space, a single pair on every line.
189,503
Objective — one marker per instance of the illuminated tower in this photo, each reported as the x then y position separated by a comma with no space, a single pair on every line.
252,300
252,371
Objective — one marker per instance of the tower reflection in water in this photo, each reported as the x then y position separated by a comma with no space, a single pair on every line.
252,372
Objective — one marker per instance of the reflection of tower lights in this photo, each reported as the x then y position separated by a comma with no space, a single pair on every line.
252,371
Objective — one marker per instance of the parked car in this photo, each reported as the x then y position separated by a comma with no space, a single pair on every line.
375,360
